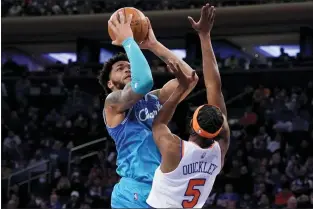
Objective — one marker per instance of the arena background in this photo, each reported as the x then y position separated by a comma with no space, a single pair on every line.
55,150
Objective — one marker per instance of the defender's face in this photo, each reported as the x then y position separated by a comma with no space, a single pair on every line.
120,75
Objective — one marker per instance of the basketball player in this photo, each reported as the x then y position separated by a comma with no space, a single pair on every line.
130,109
187,173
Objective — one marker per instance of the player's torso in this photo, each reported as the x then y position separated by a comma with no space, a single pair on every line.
138,155
191,182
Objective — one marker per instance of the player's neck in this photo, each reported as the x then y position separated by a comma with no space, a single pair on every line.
200,142
195,140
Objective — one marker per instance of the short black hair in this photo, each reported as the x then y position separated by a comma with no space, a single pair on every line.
104,75
210,119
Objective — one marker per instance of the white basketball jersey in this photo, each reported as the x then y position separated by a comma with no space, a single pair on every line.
190,184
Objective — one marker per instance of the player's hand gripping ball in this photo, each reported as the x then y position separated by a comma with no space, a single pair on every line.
139,24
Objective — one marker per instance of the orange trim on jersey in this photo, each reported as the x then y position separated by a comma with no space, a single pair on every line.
196,127
181,149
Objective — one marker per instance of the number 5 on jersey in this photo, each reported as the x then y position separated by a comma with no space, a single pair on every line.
193,192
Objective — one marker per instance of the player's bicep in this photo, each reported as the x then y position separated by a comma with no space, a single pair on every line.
160,131
122,100
163,138
224,140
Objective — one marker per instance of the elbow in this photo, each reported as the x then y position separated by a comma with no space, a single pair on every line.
156,126
196,81
154,131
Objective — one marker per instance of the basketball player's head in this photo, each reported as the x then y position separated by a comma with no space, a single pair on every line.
115,73
206,124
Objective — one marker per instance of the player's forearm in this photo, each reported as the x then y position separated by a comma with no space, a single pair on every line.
168,109
210,68
142,81
165,54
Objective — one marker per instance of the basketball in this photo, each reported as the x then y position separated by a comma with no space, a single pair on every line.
139,23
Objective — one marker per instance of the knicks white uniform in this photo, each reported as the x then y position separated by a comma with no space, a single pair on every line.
190,184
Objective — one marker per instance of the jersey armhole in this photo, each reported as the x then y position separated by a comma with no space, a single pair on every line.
218,149
181,149
123,121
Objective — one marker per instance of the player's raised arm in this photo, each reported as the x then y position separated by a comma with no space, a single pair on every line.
212,78
141,76
165,54
160,130
211,73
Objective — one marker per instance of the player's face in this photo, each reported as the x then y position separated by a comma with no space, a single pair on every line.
120,75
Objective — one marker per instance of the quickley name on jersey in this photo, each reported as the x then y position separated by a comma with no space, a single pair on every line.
199,167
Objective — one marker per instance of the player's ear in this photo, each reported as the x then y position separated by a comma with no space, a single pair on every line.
110,84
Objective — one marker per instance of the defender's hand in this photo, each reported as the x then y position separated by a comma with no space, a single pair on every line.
185,81
120,26
150,40
205,24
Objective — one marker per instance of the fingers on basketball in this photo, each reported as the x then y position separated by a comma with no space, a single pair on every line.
129,18
149,24
121,17
112,26
115,19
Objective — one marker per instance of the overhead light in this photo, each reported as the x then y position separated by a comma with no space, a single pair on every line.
63,57
181,53
274,50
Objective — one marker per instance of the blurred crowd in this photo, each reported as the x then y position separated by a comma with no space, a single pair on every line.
269,164
40,124
13,8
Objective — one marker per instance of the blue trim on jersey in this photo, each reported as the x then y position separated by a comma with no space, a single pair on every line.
124,121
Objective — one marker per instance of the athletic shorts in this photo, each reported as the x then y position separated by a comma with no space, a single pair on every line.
129,193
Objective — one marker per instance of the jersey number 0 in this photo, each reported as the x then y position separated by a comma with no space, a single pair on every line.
192,192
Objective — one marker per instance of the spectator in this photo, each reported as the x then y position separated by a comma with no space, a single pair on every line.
282,197
302,184
227,197
249,118
292,203
54,202
274,145
11,142
231,62
63,188
74,202
22,87
283,55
